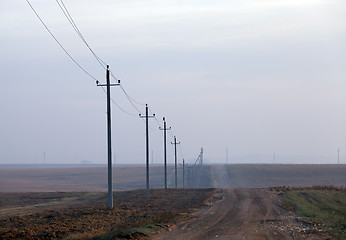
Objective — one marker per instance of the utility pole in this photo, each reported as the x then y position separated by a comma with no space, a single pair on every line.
175,161
183,173
147,145
201,156
109,135
165,148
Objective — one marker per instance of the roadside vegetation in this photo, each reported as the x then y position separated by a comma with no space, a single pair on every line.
324,207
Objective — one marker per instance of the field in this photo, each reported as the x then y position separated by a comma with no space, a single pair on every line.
219,202
269,175
133,177
85,215
77,179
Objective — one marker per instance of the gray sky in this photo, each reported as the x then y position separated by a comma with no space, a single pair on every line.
256,77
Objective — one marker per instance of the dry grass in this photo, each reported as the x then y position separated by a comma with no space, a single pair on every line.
322,206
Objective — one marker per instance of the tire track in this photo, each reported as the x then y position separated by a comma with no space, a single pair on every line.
239,214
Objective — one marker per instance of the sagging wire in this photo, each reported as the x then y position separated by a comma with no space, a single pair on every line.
58,42
118,106
74,26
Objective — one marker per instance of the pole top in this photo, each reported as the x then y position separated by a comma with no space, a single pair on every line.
107,67
164,119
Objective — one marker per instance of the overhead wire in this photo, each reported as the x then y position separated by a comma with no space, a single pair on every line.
156,120
130,100
129,97
171,133
180,150
64,49
100,61
124,111
58,42
148,125
74,26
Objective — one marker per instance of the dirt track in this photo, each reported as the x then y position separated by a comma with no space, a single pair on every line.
240,214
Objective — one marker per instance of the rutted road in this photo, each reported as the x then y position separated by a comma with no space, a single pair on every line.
239,214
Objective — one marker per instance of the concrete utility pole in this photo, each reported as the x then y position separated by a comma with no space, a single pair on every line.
175,161
109,135
165,148
183,173
147,193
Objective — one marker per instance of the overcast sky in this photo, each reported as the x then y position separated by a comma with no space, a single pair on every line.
256,77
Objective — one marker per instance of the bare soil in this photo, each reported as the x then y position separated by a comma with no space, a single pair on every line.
171,214
241,207
48,216
241,214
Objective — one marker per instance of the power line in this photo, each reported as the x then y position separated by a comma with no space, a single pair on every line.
180,150
74,26
154,129
172,133
62,47
118,106
100,61
129,97
130,100
156,120
57,41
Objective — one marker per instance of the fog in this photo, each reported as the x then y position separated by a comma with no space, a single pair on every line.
256,77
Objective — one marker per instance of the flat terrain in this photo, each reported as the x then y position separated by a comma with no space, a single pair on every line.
78,179
43,204
241,214
166,214
206,176
85,215
269,175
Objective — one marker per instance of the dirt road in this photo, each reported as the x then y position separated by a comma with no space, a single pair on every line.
240,214
220,177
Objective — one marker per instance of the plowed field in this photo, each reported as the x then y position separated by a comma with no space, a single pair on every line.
85,215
